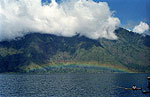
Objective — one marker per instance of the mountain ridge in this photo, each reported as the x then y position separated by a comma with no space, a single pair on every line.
131,50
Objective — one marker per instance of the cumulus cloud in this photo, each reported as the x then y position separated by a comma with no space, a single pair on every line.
141,28
88,18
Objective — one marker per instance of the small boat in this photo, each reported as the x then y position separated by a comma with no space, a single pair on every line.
144,92
133,88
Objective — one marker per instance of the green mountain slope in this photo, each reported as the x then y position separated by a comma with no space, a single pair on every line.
35,50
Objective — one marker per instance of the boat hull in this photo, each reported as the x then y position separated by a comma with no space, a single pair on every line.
133,89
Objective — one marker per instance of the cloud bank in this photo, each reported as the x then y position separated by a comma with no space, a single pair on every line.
141,28
88,18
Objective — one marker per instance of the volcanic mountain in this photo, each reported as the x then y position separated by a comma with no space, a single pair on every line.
42,51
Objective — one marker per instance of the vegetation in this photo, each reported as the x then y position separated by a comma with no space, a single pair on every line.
41,51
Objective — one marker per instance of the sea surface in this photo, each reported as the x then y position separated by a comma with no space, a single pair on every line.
72,85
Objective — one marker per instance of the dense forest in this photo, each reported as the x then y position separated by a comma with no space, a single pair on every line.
36,50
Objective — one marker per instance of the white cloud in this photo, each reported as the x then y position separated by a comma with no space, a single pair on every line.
141,28
88,18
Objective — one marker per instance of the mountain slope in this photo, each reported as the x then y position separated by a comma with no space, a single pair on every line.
34,50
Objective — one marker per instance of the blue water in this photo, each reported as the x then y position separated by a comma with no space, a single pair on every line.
72,85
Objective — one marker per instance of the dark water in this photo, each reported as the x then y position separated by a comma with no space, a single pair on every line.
72,85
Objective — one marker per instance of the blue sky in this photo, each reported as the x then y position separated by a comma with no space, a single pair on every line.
130,12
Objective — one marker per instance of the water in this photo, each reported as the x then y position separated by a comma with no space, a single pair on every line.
72,85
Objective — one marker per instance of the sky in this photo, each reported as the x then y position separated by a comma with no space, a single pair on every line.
130,11
134,15
93,19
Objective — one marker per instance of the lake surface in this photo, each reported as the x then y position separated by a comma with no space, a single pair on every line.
72,85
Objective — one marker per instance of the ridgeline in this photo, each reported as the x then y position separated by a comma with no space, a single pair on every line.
41,51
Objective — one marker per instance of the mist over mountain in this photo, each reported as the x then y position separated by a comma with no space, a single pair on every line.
71,17
35,50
